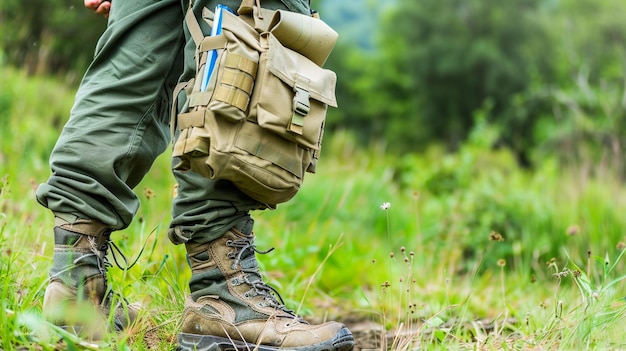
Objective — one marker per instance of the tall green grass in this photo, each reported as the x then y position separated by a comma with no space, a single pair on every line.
472,252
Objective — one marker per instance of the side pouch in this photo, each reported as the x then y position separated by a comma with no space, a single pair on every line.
227,91
235,76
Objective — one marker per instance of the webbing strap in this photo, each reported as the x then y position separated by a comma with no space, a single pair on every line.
199,98
246,7
242,63
232,96
174,110
194,26
210,43
237,80
191,119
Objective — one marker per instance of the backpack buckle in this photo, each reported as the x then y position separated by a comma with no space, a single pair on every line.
301,108
301,103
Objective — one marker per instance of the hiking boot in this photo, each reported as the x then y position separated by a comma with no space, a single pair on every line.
230,306
78,297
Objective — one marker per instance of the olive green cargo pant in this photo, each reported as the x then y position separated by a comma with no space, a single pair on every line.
120,123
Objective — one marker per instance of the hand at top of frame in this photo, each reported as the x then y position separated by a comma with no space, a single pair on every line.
100,7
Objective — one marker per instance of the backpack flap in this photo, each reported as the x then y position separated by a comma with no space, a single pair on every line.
292,94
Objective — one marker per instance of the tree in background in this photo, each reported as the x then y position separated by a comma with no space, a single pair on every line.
446,59
549,75
587,124
51,37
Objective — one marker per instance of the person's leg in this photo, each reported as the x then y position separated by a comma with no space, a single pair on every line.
120,120
118,125
229,304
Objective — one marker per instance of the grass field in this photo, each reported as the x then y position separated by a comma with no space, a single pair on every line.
426,251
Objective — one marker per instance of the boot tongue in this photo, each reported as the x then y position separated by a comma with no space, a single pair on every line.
246,259
245,254
247,262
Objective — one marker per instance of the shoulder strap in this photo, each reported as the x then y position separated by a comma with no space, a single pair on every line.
194,26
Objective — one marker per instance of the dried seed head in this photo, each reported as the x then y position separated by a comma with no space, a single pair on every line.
562,274
149,193
502,262
494,236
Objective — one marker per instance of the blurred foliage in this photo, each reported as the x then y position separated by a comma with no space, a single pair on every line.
51,37
548,75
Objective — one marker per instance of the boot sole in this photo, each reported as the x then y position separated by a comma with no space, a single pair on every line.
343,341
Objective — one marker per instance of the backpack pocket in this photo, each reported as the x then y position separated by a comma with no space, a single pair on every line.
232,58
292,94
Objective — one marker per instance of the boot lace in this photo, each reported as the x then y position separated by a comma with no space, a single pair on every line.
110,296
102,257
245,251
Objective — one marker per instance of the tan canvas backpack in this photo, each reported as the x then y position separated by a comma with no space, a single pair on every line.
259,122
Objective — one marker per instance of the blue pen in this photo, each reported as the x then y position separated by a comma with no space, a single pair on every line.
215,30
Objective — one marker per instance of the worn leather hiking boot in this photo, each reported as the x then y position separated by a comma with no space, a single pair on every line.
78,297
231,308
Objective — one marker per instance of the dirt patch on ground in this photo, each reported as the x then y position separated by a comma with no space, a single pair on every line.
368,335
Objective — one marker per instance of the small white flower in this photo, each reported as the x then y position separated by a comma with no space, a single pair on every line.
385,206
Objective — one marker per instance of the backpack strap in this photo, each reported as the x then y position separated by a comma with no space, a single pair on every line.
194,26
174,110
247,6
